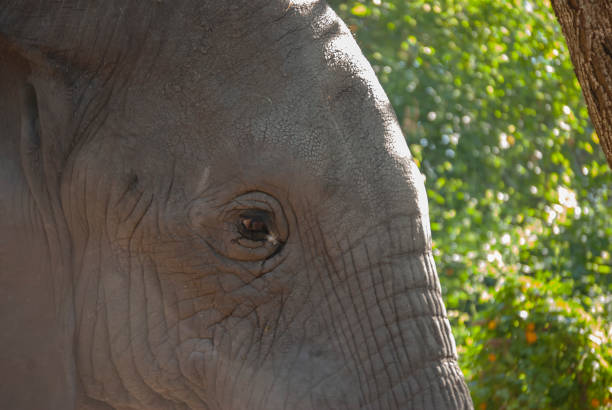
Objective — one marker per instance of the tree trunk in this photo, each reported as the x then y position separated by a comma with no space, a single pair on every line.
587,26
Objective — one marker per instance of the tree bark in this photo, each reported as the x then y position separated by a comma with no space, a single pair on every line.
587,26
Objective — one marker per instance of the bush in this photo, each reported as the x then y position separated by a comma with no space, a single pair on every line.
535,347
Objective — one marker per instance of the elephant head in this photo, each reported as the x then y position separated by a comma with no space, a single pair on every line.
209,205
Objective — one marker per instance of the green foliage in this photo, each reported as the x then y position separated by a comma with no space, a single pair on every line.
536,347
518,188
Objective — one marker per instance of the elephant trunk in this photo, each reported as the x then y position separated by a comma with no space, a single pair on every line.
395,323
417,364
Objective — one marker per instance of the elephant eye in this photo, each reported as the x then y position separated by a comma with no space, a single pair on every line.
251,227
254,226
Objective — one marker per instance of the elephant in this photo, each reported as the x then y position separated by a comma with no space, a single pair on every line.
209,205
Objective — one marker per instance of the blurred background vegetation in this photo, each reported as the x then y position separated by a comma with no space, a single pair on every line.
519,191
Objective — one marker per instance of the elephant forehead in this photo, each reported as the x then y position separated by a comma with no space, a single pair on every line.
295,95
300,92
234,93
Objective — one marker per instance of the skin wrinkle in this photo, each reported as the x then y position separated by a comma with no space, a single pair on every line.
264,397
292,366
394,304
130,76
97,306
88,287
81,326
196,388
93,110
99,386
170,185
427,365
275,333
130,249
146,41
277,325
160,42
37,167
262,326
294,362
334,270
144,397
400,319
390,297
117,67
84,23
362,372
157,290
145,346
370,353
170,323
417,289
446,393
386,324
111,361
352,352
102,326
306,250
219,376
158,334
204,401
232,353
416,316
311,387
284,296
397,320
304,235
250,343
368,315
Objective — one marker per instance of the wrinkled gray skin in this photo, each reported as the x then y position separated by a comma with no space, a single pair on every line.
209,205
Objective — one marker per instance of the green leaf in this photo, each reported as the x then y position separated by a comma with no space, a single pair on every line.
359,10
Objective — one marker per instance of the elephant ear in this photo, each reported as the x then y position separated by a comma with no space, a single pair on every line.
36,306
81,34
51,55
36,118
33,35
